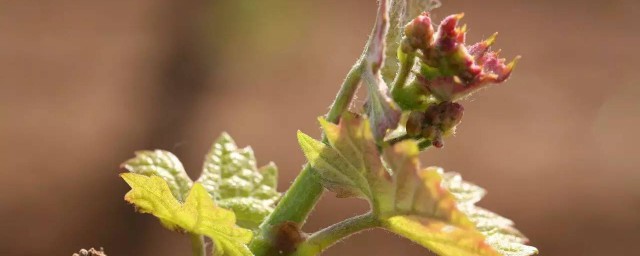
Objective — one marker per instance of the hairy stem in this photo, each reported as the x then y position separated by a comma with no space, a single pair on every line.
197,245
323,239
304,193
406,64
347,90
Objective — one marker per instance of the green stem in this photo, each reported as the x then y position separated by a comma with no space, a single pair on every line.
347,90
399,138
197,245
323,239
422,145
407,97
304,193
406,64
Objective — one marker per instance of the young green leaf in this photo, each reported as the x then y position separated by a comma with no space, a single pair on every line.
440,237
409,200
382,111
164,164
197,215
346,167
492,235
232,178
500,233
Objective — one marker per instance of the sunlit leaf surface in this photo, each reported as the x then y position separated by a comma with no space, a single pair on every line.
431,208
197,215
164,164
232,178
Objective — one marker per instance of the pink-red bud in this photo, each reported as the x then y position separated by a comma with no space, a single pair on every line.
449,36
437,121
456,70
418,33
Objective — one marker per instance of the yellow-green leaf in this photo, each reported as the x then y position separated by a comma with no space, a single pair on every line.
440,237
198,214
498,230
232,178
350,165
419,191
426,205
337,174
164,164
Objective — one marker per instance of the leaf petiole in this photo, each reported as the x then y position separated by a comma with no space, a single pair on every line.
323,239
406,64
197,245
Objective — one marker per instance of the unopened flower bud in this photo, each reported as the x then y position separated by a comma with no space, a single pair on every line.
418,33
440,120
449,35
454,70
430,132
451,115
414,123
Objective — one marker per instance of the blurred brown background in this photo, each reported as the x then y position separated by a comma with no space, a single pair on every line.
85,83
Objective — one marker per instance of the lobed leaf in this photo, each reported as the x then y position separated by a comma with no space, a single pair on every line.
232,178
335,171
432,208
498,230
440,237
198,214
419,191
164,164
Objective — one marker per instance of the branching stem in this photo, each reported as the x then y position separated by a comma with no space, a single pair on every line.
406,64
304,193
323,239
